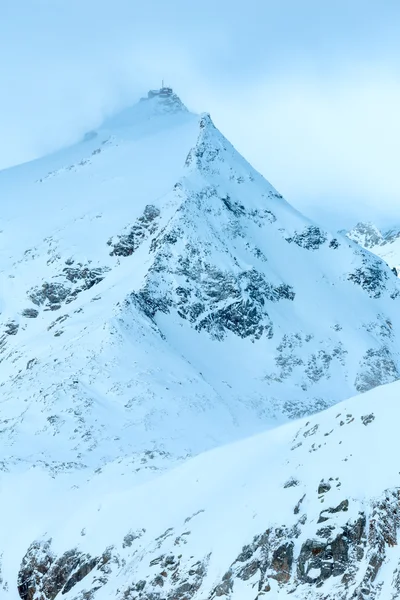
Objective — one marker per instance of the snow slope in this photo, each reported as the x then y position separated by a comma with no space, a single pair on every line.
384,243
306,510
160,298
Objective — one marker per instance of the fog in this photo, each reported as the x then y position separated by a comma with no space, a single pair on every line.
308,92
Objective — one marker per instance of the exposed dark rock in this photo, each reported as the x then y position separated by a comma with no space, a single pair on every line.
324,487
292,482
382,533
326,531
42,576
53,293
35,564
131,537
320,560
30,313
145,226
371,277
249,570
296,509
376,368
318,365
76,280
158,580
241,318
11,328
282,561
54,306
226,585
273,555
87,277
367,419
205,155
342,507
85,565
381,326
216,301
311,238
234,207
258,216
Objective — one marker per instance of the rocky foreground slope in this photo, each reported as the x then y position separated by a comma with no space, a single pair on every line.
306,510
160,298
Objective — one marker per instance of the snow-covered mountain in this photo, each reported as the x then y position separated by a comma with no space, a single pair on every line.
160,298
385,243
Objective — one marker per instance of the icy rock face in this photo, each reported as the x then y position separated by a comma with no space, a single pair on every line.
43,575
281,559
146,225
186,278
51,295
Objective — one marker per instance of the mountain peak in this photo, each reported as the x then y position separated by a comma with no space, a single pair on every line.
366,234
164,101
158,104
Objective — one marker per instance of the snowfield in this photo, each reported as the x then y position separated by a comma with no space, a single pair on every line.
160,302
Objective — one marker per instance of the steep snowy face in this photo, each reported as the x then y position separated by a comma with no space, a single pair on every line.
158,295
384,243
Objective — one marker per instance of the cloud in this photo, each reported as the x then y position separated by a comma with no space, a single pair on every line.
307,91
330,145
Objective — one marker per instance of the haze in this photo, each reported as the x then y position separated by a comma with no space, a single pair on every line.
308,92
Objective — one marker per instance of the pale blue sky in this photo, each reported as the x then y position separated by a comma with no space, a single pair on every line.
307,90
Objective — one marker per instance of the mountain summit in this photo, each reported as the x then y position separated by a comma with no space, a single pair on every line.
160,298
157,103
